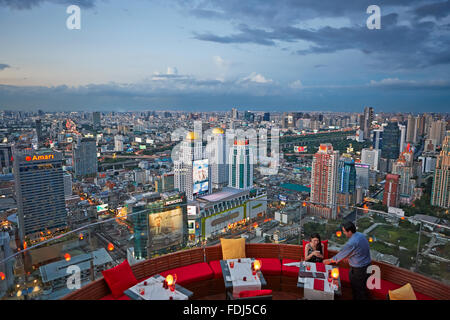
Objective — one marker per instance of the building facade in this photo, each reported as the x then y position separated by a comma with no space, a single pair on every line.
440,194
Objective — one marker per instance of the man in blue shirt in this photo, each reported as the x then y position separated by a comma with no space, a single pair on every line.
358,253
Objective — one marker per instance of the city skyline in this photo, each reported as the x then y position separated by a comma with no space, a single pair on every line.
209,56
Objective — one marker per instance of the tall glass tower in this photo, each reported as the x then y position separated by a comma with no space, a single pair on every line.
391,141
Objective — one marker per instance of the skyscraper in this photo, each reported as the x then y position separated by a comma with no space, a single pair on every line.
6,158
118,143
377,140
368,119
39,132
217,155
39,187
411,130
191,169
7,267
266,116
324,181
390,195
96,120
370,157
67,184
437,132
234,113
391,140
440,194
402,129
241,164
85,158
346,182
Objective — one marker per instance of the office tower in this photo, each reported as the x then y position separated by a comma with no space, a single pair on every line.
6,158
420,125
118,143
217,155
234,114
370,157
411,130
39,187
67,184
85,158
390,195
391,140
96,120
266,116
440,194
7,267
361,122
368,119
249,116
362,175
346,182
404,168
192,171
241,164
39,132
437,132
324,181
165,183
402,129
377,140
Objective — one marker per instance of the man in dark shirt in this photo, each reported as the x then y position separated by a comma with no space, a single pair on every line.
357,251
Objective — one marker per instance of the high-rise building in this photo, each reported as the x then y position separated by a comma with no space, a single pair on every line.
6,158
368,119
437,132
362,175
404,168
96,120
390,195
370,157
440,194
324,181
217,155
391,140
234,113
249,116
85,158
402,129
39,187
241,163
191,169
67,184
377,140
346,182
266,116
39,132
411,130
165,183
118,143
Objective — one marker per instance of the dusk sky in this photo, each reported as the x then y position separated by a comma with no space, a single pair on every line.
272,55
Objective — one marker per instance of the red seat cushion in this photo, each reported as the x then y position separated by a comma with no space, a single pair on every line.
254,293
270,266
385,286
119,279
289,271
191,273
345,277
111,297
324,248
421,296
216,268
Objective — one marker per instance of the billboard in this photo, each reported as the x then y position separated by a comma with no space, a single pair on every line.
200,177
102,208
165,229
137,139
301,149
191,210
143,147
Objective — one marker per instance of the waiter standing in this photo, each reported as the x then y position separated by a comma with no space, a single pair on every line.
358,253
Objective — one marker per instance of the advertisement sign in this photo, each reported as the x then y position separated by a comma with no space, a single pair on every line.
165,229
200,176
300,149
102,208
138,139
191,210
143,147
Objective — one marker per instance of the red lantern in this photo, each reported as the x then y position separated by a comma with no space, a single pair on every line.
67,257
2,276
338,234
110,247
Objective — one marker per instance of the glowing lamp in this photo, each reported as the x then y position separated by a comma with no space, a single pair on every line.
2,276
338,234
110,247
67,257
169,280
370,239
81,236
335,273
403,218
257,265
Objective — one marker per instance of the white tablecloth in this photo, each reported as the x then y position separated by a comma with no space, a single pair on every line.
243,269
310,293
154,290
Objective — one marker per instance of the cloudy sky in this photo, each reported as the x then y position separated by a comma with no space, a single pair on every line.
202,55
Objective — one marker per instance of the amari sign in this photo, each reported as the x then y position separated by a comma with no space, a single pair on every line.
40,157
